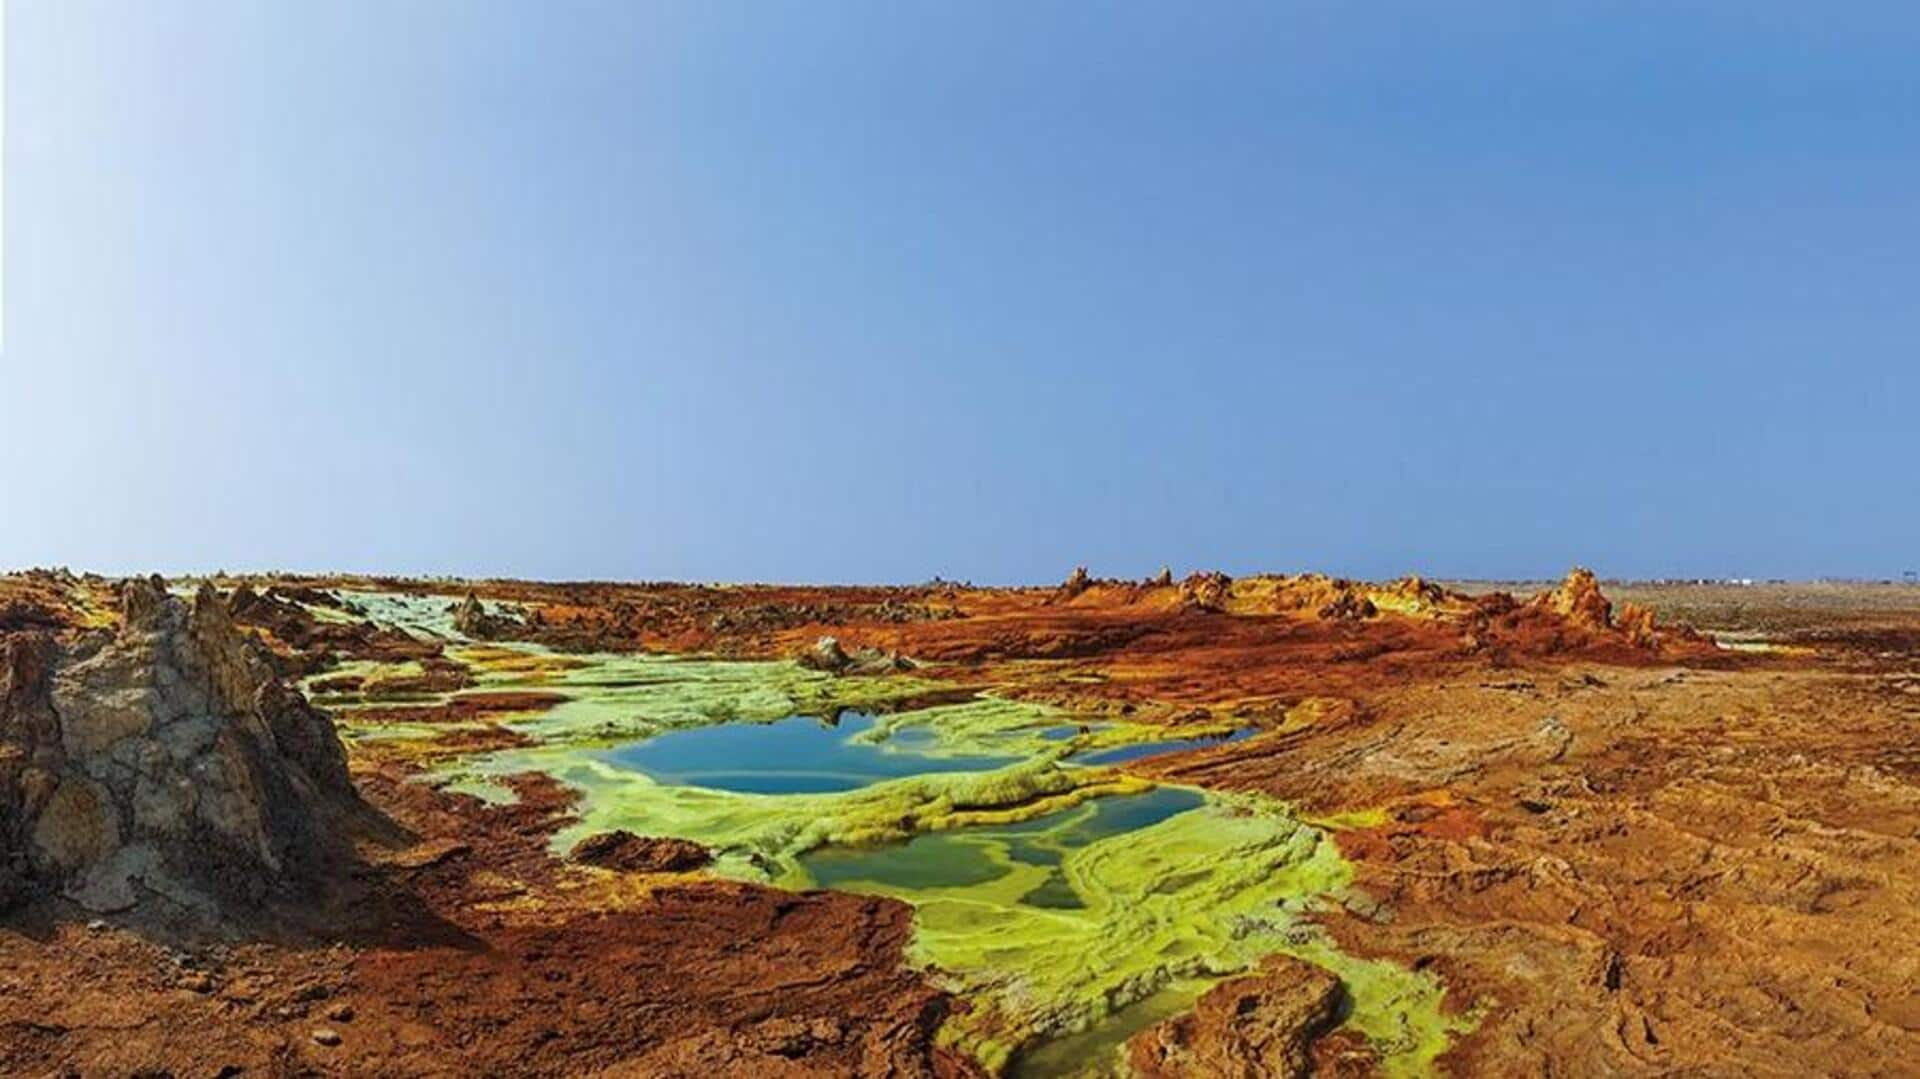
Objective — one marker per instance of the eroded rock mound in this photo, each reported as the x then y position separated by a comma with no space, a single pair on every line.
1260,1025
165,760
621,849
1578,599
1350,605
471,617
827,655
1580,603
1637,623
1205,591
1416,594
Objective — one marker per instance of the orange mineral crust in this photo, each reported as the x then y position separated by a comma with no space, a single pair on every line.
1668,836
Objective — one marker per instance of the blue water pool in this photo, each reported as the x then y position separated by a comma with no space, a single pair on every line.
798,755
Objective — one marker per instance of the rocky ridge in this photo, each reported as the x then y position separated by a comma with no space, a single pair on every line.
165,760
1261,1024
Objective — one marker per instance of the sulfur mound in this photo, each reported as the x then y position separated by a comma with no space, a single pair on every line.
1578,599
165,760
1263,1024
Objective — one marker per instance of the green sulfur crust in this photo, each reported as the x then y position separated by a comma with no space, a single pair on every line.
621,698
760,836
1168,909
1067,925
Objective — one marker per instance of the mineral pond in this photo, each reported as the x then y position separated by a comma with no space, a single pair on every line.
1070,905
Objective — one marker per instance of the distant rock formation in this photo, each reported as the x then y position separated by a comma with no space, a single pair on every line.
163,760
1637,624
1205,591
827,655
1417,594
1263,1024
1348,605
1578,599
471,617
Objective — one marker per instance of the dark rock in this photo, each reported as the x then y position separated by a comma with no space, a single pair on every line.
640,854
471,617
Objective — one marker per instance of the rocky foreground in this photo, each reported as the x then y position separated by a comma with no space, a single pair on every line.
164,763
1622,847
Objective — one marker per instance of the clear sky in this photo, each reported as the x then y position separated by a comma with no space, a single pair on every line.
875,291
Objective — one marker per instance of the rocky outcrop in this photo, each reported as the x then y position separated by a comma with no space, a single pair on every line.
827,655
1350,605
1414,594
1580,603
1205,591
1637,623
1578,599
1260,1025
19,615
472,618
166,760
621,849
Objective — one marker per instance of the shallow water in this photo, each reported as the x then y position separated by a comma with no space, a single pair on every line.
1078,1053
1139,750
967,857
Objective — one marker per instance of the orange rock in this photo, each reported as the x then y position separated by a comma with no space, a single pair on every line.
1579,600
1263,1024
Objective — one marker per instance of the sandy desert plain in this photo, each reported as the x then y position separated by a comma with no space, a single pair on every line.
1271,825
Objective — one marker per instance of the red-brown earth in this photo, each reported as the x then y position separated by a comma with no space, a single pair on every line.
1624,848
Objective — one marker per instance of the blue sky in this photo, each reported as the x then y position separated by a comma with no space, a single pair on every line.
876,291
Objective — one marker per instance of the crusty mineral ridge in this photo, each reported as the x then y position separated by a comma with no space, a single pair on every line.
621,849
1205,591
165,759
1578,599
1261,1025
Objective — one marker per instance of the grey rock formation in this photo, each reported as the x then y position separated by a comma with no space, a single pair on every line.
827,655
164,760
471,617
